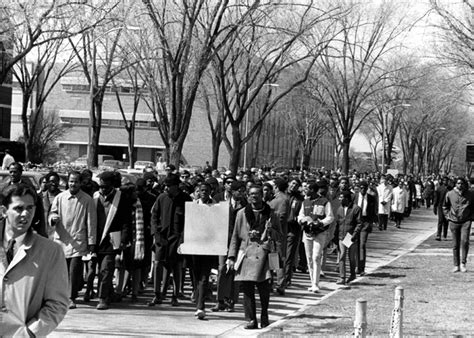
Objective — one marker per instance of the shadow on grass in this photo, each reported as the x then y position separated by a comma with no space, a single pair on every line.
385,275
314,316
392,267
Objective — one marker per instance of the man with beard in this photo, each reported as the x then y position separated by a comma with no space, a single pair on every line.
167,227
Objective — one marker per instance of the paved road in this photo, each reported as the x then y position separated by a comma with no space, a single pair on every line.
136,319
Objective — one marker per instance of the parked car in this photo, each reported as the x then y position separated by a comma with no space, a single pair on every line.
140,165
112,165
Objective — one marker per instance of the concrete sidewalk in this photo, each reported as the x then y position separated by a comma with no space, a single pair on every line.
136,319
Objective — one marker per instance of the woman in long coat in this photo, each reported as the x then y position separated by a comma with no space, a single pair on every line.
256,233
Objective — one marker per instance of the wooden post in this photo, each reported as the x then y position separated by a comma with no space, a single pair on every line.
396,327
360,322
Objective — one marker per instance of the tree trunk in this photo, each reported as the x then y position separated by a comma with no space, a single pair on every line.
216,145
345,155
236,149
131,145
95,137
258,133
175,150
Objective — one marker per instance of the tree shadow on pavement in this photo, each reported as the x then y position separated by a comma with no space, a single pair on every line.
385,275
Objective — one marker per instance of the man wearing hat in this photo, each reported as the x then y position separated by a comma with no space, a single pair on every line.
167,228
367,204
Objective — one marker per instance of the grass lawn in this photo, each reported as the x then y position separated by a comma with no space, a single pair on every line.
437,301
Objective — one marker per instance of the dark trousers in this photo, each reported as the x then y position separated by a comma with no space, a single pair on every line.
162,274
201,270
227,288
292,244
90,276
106,263
364,236
442,224
352,253
75,271
398,217
383,221
460,233
250,307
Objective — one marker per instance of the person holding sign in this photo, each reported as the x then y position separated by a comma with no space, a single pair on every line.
114,224
348,225
256,234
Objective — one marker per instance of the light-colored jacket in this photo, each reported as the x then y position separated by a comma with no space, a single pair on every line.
384,193
34,292
255,265
399,200
77,226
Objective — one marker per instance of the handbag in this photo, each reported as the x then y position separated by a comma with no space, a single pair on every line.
273,257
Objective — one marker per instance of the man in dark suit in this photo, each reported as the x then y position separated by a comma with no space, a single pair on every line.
167,228
348,222
227,290
281,205
368,205
439,196
114,224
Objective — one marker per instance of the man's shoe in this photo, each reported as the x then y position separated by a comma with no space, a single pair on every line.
264,322
314,289
134,299
341,281
87,297
72,304
456,268
438,238
155,301
200,314
280,290
463,268
221,306
251,325
380,228
174,301
351,278
102,305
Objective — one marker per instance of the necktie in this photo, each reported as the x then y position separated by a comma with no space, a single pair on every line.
10,246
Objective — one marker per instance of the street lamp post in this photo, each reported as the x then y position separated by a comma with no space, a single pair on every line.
247,122
384,124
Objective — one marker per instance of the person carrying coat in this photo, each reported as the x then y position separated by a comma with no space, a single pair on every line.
256,232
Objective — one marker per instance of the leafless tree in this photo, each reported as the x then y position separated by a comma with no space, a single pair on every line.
351,71
456,32
273,55
37,74
35,23
181,39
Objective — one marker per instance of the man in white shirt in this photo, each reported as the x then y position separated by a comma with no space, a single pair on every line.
7,160
385,194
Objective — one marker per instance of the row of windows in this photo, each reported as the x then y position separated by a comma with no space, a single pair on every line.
87,88
107,122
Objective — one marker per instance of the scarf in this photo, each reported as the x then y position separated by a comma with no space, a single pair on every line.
139,232
250,216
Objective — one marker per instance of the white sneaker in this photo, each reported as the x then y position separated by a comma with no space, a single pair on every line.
463,268
456,268
314,289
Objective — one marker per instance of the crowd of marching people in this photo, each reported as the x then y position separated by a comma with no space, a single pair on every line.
128,235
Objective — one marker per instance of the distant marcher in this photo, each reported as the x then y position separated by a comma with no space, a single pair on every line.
385,194
33,272
348,220
399,203
458,208
7,160
439,197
